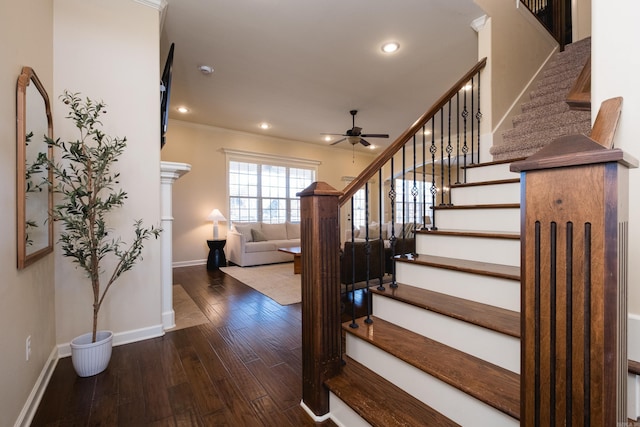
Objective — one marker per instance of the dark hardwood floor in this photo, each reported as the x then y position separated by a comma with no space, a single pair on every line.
243,368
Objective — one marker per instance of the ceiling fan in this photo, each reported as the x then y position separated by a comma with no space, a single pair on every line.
354,136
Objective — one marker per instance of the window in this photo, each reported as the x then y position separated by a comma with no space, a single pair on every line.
262,190
359,208
406,208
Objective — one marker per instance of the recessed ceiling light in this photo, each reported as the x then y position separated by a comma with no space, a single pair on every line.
327,138
183,110
468,86
427,132
264,125
205,69
372,147
390,47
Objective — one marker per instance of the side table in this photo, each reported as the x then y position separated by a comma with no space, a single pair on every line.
216,257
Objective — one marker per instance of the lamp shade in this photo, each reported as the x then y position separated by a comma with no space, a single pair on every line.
216,215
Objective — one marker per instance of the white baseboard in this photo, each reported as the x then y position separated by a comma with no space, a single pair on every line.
33,401
120,338
633,334
189,263
315,417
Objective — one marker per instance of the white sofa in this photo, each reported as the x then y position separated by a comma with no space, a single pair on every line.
256,243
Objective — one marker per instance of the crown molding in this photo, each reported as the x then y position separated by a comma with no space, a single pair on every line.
479,23
159,5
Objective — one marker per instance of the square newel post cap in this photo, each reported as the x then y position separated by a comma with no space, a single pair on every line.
573,150
319,188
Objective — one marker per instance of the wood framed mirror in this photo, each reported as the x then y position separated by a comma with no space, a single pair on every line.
34,195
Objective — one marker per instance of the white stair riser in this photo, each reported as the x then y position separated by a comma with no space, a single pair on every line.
496,348
490,173
343,415
494,291
486,194
503,219
482,249
449,401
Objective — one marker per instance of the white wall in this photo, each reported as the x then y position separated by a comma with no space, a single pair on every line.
614,69
110,51
26,296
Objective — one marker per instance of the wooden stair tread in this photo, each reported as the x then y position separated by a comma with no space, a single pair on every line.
480,183
464,233
379,402
491,384
480,206
634,367
475,267
495,318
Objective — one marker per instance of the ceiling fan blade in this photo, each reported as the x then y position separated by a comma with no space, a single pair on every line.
365,143
326,133
375,135
340,140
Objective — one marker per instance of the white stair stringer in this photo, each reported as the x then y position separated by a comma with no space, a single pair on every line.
498,193
444,398
496,291
484,219
482,249
494,347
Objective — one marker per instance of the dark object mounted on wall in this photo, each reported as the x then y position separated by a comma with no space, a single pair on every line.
165,93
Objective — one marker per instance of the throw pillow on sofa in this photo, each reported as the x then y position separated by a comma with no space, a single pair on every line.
258,236
245,229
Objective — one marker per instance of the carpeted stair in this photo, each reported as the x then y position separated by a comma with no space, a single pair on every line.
547,116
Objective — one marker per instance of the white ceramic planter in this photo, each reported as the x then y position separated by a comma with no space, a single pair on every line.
91,358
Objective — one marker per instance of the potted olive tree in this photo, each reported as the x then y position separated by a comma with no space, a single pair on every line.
88,195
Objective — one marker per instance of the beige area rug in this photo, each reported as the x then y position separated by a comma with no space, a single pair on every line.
186,311
276,281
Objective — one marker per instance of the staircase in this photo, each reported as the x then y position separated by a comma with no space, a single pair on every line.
546,116
444,346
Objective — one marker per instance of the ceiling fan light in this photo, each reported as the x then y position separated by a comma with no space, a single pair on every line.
390,47
353,140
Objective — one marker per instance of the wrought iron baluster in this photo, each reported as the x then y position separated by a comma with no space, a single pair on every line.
434,186
392,238
472,123
449,151
442,186
465,147
381,254
424,177
458,137
404,189
353,323
367,249
478,118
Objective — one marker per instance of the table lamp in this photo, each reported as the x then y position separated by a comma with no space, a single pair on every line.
216,216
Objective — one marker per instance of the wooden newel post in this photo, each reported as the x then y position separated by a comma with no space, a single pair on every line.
574,227
320,242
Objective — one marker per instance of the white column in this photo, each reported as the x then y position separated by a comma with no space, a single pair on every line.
169,173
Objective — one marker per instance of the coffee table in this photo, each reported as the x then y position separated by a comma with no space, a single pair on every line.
296,251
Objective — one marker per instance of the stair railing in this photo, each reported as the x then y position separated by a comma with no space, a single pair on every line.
439,145
555,16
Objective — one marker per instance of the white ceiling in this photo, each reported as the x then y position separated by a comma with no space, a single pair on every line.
301,65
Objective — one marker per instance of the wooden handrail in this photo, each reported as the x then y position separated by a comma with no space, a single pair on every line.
368,173
579,97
